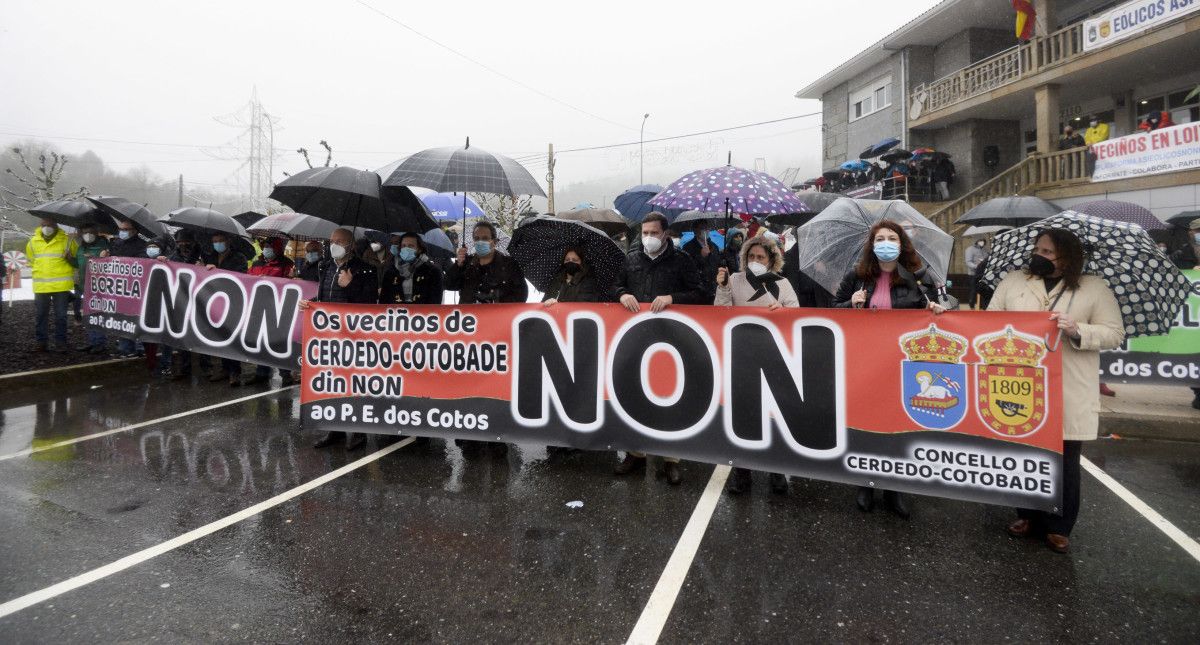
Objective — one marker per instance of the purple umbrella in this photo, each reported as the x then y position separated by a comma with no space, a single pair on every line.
730,189
1121,212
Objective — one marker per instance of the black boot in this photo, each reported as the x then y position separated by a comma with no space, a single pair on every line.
866,499
330,439
739,481
630,464
895,503
779,484
356,440
671,470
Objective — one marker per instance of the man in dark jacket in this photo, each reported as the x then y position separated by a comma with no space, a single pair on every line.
126,244
345,279
187,251
487,277
309,268
707,259
227,257
808,292
662,276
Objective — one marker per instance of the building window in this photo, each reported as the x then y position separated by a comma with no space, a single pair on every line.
871,98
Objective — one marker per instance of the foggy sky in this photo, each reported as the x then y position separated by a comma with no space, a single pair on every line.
159,72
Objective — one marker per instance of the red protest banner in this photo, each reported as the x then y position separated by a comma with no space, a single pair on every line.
964,404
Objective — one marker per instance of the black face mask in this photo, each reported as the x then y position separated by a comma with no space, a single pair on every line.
1040,266
571,268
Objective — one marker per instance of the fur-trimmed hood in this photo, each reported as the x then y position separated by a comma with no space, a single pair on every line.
772,248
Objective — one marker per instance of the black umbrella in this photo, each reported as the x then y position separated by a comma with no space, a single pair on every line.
1148,287
538,247
688,219
294,226
351,197
459,170
204,221
831,175
120,208
879,148
1184,219
896,155
75,213
604,219
1016,210
248,218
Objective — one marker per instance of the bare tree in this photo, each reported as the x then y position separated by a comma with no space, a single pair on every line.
328,154
36,185
505,211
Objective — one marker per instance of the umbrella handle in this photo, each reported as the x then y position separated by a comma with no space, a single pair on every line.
1057,341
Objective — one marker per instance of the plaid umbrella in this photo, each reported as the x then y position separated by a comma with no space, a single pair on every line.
75,213
355,198
1121,212
539,244
831,244
120,208
294,226
1009,211
1148,287
203,220
459,170
634,204
605,219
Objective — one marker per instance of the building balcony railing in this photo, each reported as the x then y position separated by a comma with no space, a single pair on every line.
1006,67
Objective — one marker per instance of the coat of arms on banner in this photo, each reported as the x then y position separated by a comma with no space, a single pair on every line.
1012,383
934,378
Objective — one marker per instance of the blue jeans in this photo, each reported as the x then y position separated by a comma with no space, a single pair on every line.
126,346
42,303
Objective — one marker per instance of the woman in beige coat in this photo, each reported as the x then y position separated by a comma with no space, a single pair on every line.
1089,321
759,284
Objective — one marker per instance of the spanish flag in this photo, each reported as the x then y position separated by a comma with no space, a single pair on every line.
1026,17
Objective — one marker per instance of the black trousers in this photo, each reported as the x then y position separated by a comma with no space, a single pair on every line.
1063,523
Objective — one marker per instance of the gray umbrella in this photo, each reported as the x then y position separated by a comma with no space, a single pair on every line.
688,220
204,220
1184,219
75,213
831,244
605,219
1009,211
460,170
814,202
120,208
294,226
1121,212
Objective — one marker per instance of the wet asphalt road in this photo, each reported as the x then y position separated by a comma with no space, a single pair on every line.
426,545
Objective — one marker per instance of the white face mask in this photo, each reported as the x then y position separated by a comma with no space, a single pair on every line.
376,246
48,231
89,237
651,244
337,251
757,268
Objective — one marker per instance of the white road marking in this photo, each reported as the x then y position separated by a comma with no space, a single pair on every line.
654,616
1162,523
42,595
135,426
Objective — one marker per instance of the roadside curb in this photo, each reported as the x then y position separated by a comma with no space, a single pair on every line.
68,374
1172,428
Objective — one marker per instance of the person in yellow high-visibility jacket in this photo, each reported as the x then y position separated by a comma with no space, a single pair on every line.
1096,132
51,254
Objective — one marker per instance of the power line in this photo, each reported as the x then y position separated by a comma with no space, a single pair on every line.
492,69
691,134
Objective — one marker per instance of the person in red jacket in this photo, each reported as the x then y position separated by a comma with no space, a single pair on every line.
1156,121
273,262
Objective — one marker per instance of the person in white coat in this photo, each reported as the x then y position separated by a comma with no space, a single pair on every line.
1089,321
759,284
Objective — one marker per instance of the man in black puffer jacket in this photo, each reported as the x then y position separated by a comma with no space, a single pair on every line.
662,276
